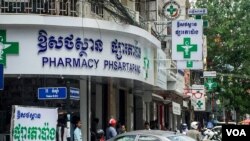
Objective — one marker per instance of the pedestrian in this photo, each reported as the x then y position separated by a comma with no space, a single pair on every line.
94,126
193,132
111,131
210,124
62,130
122,129
118,127
165,127
147,126
77,131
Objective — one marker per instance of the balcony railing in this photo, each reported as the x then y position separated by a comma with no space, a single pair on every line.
41,7
73,8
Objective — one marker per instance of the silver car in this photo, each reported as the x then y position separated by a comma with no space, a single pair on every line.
151,135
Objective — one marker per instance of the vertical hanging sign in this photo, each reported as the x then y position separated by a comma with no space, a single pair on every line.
187,39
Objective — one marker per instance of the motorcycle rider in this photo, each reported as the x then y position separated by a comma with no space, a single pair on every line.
111,131
184,128
194,131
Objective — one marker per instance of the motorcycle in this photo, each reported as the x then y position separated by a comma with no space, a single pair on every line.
211,135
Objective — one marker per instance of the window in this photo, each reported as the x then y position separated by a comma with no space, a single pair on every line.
148,138
126,138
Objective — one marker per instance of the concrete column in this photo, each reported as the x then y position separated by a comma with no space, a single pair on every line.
83,8
178,121
171,118
84,111
147,111
99,104
111,99
144,111
139,123
130,112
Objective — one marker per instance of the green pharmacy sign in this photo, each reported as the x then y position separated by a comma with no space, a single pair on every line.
186,48
199,104
187,40
210,85
189,64
146,66
7,48
171,10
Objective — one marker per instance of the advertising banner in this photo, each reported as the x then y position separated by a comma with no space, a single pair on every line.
33,123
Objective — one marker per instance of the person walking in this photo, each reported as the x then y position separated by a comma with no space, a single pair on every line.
193,132
62,130
94,126
111,131
123,129
77,131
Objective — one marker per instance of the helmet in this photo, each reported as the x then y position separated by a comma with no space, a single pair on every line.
99,133
112,122
184,126
194,125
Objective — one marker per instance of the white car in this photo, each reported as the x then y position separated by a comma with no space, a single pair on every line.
151,135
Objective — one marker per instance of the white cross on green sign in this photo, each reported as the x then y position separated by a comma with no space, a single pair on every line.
6,47
146,66
210,84
189,64
199,104
187,48
171,10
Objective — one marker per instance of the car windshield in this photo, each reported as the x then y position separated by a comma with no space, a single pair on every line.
180,138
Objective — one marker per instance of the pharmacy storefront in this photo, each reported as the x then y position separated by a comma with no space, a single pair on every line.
50,50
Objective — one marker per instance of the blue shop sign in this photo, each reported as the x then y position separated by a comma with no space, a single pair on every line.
74,93
52,93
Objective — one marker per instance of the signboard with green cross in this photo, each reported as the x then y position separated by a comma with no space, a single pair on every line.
146,67
7,48
171,10
187,40
200,104
205,22
192,65
210,85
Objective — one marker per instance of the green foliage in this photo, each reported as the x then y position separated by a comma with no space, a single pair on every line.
228,49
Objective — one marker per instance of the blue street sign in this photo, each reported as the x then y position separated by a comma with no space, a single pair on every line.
74,93
1,77
52,93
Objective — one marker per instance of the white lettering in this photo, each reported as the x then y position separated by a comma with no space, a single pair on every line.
229,132
242,132
236,132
